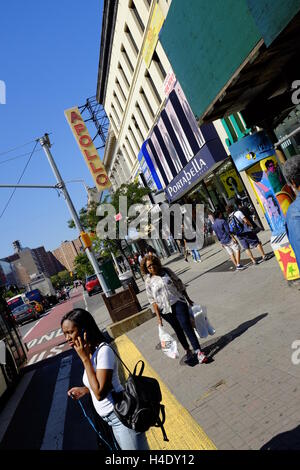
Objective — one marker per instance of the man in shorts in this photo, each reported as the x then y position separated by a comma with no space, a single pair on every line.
248,238
227,240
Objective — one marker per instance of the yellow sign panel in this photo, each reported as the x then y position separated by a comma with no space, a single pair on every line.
287,261
232,183
157,21
87,148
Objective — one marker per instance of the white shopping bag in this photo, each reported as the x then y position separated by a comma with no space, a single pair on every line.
168,344
202,325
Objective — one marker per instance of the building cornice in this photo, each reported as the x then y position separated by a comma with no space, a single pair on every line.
110,9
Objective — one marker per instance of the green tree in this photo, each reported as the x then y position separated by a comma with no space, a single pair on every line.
88,218
61,279
82,266
9,294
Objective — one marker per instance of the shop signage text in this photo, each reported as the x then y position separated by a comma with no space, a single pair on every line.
251,149
87,148
191,173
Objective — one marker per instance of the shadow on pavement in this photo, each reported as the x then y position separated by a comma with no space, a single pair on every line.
178,258
213,347
289,440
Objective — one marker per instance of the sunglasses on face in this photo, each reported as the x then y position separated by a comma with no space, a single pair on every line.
150,266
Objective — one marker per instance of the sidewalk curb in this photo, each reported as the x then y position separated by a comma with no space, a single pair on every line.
183,432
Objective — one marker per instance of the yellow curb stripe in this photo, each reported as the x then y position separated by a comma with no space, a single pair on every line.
183,431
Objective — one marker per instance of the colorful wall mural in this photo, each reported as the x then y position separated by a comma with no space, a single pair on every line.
255,155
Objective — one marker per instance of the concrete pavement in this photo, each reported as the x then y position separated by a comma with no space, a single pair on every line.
248,396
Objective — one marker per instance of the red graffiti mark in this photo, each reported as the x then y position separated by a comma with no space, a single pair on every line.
286,258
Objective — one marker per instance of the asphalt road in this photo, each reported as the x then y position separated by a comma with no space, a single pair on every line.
39,415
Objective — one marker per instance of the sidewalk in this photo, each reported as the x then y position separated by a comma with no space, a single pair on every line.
249,393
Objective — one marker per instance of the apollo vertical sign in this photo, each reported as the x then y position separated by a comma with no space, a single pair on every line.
87,148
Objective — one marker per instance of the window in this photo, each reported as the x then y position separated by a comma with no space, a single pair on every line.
120,90
159,65
131,149
115,114
131,40
147,104
123,75
132,7
118,102
134,138
126,57
153,87
127,155
135,123
113,122
142,116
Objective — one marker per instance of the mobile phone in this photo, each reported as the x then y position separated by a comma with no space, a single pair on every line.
82,334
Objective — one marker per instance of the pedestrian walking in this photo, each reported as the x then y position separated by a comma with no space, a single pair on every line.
168,296
246,236
183,244
100,377
291,171
195,254
227,240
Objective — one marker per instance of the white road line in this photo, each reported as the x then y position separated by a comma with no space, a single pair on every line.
32,328
10,408
85,302
54,432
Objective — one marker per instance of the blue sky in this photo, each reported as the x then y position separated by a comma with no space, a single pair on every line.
49,62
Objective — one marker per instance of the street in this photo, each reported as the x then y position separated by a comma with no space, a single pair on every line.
41,400
246,397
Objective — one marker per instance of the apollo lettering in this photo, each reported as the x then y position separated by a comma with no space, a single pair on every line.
87,148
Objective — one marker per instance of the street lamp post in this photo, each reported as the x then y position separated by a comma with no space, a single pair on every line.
45,143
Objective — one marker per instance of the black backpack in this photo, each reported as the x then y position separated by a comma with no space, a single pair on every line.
138,406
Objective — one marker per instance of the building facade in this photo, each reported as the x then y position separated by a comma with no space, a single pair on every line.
153,128
249,67
131,93
67,252
7,275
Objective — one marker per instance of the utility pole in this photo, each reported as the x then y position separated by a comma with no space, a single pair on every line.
45,143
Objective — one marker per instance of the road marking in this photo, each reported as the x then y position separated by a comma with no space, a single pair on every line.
85,302
54,432
31,329
9,410
40,356
183,431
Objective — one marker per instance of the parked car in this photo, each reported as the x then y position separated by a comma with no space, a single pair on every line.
23,313
37,306
92,284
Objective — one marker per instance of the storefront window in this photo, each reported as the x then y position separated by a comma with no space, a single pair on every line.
292,145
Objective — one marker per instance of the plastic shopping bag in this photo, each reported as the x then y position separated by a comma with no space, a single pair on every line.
201,323
168,344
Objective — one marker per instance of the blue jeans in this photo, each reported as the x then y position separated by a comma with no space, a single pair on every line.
127,438
196,255
180,321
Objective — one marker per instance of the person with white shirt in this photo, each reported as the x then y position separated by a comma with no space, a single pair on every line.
168,296
100,377
247,238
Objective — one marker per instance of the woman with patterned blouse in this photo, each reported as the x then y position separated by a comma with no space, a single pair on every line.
168,297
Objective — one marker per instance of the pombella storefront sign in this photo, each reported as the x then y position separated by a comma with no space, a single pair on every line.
206,159
87,148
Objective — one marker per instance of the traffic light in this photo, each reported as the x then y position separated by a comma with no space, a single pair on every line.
85,238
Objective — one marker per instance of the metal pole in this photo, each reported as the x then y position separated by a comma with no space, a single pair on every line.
286,137
45,143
